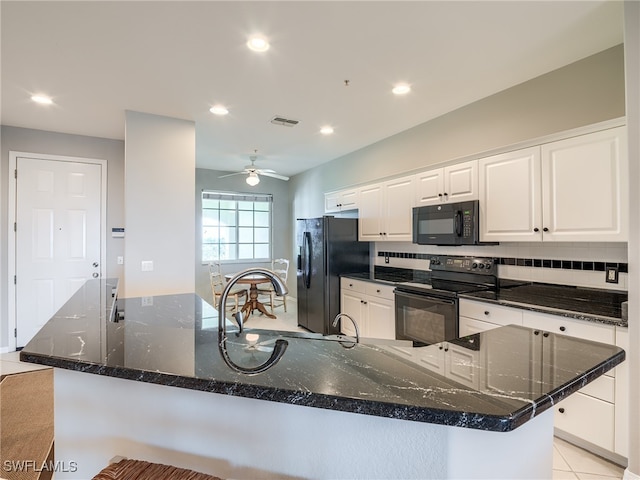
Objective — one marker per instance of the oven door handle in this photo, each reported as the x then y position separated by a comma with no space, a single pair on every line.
427,297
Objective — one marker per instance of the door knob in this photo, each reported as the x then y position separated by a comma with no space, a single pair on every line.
96,275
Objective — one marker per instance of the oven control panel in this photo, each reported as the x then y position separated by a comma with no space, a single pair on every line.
449,263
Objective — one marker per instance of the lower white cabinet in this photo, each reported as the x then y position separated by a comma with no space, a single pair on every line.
589,414
371,305
596,414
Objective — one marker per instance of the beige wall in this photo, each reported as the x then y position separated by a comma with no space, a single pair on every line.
583,93
159,196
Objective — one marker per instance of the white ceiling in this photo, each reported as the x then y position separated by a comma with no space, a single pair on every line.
98,59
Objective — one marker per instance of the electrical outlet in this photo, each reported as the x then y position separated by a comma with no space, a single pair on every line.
147,266
386,259
147,301
612,275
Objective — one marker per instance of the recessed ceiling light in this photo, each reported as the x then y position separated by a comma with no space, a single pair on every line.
258,43
43,99
219,110
401,89
326,130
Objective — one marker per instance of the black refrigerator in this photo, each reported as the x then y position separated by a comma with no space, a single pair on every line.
327,248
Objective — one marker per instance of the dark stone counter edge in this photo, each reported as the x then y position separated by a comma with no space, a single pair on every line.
343,404
617,322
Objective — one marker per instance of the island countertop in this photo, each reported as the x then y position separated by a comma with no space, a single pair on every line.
514,373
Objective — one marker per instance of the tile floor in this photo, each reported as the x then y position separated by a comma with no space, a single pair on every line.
569,462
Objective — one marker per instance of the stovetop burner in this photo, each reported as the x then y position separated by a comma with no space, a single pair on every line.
451,275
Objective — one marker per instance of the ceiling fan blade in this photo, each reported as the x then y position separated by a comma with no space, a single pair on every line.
274,175
232,174
266,170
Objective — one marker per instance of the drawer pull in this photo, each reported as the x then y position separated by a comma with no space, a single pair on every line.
486,312
562,329
378,290
561,410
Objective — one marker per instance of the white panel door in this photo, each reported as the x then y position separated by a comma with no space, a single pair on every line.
58,237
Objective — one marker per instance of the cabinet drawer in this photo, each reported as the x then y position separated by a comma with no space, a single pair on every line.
470,326
353,285
568,326
602,388
588,418
379,290
491,313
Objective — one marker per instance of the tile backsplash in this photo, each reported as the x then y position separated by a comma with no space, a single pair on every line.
572,263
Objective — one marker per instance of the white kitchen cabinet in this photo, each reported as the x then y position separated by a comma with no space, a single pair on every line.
476,317
454,183
510,197
589,414
340,201
371,305
570,190
621,409
385,210
585,188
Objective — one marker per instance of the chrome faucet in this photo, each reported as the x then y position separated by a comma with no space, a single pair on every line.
280,345
355,325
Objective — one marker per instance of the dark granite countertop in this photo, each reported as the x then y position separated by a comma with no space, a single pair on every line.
173,340
589,304
594,305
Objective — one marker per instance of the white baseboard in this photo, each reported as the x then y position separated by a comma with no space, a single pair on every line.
628,475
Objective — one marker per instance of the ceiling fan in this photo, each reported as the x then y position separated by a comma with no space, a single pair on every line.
252,171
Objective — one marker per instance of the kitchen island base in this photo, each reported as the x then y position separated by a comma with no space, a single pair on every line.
98,417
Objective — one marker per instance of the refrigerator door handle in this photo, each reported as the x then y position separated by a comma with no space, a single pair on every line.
306,259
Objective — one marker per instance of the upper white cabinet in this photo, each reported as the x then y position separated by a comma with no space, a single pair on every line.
569,190
455,183
341,200
385,210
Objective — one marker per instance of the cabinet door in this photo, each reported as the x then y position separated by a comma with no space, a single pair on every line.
460,365
510,204
351,304
331,201
370,225
429,187
397,211
348,199
381,318
584,183
621,446
461,182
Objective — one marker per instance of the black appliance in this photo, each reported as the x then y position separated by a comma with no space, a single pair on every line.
328,247
427,310
447,224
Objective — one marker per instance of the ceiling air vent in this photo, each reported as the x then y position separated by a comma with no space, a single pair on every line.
285,122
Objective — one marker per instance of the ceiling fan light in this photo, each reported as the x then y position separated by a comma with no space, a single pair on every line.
253,179
258,43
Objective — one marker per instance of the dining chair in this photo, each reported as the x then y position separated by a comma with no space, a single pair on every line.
218,284
279,266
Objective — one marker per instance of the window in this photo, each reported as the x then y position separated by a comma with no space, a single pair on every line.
236,226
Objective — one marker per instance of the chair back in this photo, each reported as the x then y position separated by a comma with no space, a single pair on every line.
217,282
280,266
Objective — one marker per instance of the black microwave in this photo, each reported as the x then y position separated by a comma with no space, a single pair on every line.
447,224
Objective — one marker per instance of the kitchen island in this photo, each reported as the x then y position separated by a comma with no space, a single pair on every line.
144,378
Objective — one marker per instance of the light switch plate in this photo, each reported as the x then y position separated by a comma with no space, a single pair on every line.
612,275
147,266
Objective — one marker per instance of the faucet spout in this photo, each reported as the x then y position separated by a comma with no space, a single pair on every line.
355,324
280,345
